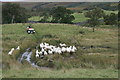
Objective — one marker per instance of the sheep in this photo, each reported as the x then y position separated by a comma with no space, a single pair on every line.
37,54
45,53
68,49
41,45
50,51
40,53
72,50
74,47
59,51
46,44
45,47
42,50
52,46
62,44
18,48
63,49
11,51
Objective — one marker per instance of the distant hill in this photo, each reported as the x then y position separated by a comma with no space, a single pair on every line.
70,5
28,5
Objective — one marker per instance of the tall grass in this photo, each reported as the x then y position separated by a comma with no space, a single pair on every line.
83,38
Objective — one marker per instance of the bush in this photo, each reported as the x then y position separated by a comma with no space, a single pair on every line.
110,19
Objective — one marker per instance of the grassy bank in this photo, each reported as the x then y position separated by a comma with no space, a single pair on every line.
97,51
72,73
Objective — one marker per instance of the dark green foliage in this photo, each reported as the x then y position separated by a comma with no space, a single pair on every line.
13,13
119,14
79,11
94,16
110,19
61,15
103,5
45,16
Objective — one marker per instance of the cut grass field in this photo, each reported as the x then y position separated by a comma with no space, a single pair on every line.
72,73
96,57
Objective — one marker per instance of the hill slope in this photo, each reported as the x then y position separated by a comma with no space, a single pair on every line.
96,50
70,5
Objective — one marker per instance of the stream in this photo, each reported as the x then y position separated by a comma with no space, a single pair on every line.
27,54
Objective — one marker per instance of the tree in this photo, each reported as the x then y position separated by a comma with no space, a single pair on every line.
13,13
110,19
94,16
119,14
45,16
61,15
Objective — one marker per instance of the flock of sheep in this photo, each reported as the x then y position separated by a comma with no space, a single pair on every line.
46,49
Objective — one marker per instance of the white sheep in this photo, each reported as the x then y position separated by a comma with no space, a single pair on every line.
58,50
46,44
68,49
45,53
72,50
45,47
11,51
74,47
18,48
40,53
42,50
37,54
41,45
63,49
50,51
62,44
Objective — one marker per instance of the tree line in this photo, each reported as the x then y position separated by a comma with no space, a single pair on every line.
14,13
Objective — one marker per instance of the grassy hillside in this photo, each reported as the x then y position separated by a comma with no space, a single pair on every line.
96,55
75,6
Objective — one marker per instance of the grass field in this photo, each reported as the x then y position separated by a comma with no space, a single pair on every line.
98,61
72,73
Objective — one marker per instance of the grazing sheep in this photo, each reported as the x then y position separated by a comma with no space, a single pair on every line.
46,44
50,49
18,48
50,52
42,50
11,51
45,53
72,50
62,44
74,47
40,53
41,45
59,51
37,54
68,49
63,49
